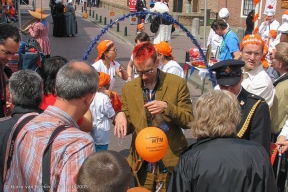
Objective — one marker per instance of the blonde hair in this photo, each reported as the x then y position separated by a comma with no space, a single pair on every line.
216,114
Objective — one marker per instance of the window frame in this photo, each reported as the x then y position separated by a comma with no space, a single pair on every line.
242,9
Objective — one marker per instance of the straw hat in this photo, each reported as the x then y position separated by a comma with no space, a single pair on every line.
37,13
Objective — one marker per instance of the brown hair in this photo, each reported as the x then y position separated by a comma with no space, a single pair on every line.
104,171
219,23
281,54
216,114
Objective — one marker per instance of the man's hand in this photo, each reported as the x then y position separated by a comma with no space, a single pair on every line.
156,107
120,127
281,142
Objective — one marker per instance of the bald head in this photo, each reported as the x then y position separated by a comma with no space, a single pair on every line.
75,80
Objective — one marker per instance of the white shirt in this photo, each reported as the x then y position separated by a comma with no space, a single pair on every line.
264,29
215,41
172,67
284,131
101,110
258,82
100,67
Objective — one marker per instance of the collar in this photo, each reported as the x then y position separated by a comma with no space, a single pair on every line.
227,33
204,140
239,91
251,74
61,115
157,81
18,109
283,77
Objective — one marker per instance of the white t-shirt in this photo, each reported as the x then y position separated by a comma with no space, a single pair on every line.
100,67
101,110
172,67
258,82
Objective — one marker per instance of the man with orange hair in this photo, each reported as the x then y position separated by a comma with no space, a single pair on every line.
255,80
154,93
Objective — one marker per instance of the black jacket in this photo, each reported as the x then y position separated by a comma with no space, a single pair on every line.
6,125
222,165
140,5
156,23
259,126
2,92
249,23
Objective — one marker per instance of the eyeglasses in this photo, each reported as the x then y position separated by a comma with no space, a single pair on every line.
249,53
149,72
114,50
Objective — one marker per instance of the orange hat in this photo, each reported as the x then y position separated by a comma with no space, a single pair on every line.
140,26
273,33
251,39
104,79
102,46
164,48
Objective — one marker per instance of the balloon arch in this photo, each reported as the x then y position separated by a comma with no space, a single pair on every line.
164,16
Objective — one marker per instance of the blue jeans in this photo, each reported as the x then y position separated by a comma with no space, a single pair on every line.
99,148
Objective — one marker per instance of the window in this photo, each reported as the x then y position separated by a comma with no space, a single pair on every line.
247,7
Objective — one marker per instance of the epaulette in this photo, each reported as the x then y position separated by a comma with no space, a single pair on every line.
256,97
5,118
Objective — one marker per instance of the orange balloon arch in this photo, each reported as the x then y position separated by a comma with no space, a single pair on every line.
151,144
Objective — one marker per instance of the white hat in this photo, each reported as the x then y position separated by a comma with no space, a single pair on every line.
283,28
269,12
223,13
285,17
160,8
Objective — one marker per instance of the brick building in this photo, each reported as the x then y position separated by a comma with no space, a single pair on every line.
238,8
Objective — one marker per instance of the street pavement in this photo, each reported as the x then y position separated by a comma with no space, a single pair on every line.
88,29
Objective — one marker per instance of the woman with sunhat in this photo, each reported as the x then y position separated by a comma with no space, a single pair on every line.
105,62
39,30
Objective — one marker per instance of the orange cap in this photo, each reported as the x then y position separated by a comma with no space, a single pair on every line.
164,48
140,26
273,33
104,79
286,12
251,39
102,46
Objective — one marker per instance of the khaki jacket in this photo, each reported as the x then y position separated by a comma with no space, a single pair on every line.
174,91
280,103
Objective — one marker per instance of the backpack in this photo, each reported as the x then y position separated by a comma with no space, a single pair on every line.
33,57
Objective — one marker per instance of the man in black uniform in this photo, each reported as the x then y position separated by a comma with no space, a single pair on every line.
255,124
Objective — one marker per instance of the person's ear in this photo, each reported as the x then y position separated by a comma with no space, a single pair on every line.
157,63
89,98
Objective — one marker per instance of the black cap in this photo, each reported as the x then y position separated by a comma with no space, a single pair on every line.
228,72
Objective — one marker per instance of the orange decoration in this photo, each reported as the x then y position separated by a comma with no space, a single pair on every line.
151,144
255,2
256,30
256,17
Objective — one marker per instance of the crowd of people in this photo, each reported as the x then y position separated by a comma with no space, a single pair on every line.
65,113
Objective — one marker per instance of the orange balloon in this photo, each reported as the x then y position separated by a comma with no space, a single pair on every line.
151,144
138,189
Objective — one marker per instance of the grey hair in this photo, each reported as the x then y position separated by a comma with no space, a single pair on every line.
26,88
75,80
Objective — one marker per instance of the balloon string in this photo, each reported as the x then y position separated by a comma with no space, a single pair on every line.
143,112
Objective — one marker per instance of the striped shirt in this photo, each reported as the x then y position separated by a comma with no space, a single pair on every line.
69,150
